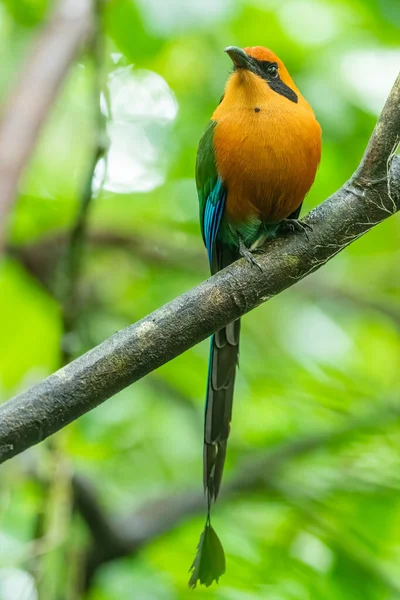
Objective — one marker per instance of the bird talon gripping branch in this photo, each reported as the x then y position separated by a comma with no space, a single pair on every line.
256,161
295,225
248,254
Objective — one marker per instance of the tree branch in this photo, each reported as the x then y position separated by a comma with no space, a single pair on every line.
371,195
36,89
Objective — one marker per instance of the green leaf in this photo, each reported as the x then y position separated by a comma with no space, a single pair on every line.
209,562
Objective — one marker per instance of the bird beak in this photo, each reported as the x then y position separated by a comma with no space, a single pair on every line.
238,56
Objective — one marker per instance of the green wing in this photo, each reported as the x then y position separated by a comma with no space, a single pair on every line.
211,192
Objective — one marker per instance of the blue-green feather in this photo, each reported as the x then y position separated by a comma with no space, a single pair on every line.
212,194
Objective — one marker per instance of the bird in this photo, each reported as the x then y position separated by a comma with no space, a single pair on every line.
256,161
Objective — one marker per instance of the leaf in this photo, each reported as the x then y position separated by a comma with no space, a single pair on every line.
209,562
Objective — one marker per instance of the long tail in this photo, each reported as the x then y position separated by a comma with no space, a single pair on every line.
224,353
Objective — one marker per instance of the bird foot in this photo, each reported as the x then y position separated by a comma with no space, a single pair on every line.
248,255
295,225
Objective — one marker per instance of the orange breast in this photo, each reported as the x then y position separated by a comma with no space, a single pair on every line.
267,159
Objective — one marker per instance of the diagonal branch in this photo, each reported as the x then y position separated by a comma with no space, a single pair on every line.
371,195
34,93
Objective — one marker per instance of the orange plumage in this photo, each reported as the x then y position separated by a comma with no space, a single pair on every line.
267,158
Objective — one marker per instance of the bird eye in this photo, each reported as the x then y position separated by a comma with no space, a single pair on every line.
273,71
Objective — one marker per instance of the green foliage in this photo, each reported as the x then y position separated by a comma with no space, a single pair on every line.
27,12
130,34
39,321
311,358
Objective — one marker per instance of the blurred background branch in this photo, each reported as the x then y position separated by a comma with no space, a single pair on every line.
70,268
36,89
41,258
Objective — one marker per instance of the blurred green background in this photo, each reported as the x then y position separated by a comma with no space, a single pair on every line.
313,359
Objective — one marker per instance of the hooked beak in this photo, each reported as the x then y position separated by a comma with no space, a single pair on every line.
238,56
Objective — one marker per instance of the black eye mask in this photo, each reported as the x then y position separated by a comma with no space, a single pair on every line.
260,68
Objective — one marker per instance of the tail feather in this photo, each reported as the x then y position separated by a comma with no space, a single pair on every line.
224,354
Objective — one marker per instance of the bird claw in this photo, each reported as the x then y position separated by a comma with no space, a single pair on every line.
295,225
248,255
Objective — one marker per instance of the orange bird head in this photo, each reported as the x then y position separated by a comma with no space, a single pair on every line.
267,141
259,75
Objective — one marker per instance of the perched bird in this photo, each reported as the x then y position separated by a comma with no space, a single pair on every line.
255,163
